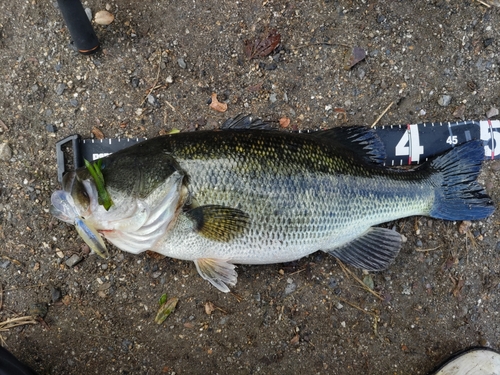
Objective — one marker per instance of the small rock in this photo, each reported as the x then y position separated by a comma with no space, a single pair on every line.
88,12
290,287
51,128
444,100
73,102
169,79
135,82
73,260
273,98
156,274
488,42
55,294
60,88
419,243
361,73
406,290
38,310
181,63
104,266
127,345
497,248
5,152
271,66
6,264
492,112
103,17
153,101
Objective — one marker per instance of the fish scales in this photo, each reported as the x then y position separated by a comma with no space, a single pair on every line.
256,197
298,196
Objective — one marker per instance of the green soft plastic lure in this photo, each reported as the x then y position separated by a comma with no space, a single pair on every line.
102,194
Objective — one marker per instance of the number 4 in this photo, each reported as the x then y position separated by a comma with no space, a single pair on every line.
452,140
409,145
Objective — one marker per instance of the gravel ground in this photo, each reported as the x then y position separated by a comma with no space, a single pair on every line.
436,60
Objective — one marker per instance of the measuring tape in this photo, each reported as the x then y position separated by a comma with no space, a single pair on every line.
404,144
414,144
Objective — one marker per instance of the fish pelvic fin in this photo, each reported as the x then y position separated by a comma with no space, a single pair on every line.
218,272
374,250
458,194
218,223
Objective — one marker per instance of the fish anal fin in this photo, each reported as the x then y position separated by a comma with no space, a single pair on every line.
374,250
218,272
218,223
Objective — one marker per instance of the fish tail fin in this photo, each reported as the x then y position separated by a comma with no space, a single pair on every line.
458,194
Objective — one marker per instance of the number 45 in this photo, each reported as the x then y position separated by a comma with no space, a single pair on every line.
452,140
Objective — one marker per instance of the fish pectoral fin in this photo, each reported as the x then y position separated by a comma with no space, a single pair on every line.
218,223
374,250
218,272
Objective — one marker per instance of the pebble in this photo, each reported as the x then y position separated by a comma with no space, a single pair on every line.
60,88
73,260
492,112
153,101
361,73
73,102
88,12
5,152
156,274
6,264
51,128
103,17
135,82
444,100
406,290
273,98
271,66
290,287
181,63
55,294
497,248
127,345
419,243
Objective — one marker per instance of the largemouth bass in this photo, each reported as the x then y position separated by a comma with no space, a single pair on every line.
257,196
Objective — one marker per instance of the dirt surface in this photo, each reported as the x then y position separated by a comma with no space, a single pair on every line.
310,316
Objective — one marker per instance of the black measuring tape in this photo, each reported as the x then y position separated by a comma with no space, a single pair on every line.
404,144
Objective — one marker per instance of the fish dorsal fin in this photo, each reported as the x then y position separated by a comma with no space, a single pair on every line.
374,250
359,140
218,272
246,122
218,223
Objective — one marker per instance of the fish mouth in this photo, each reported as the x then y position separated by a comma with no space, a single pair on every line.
64,208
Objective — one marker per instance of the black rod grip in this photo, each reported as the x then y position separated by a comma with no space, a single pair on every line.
79,26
